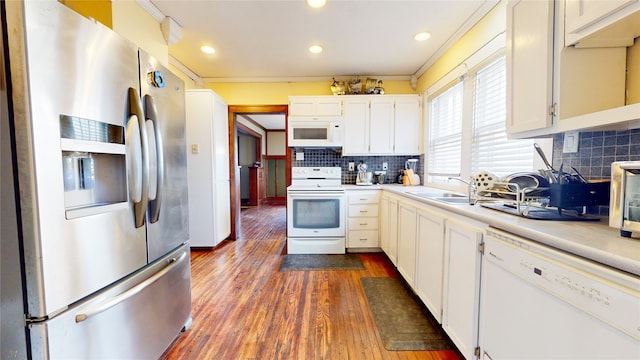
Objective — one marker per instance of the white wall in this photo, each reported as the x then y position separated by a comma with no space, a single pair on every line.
276,143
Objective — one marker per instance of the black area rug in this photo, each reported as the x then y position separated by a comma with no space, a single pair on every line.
321,262
402,323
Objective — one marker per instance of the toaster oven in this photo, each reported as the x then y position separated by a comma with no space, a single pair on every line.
624,206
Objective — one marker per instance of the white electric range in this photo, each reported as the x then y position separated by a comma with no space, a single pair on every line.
316,211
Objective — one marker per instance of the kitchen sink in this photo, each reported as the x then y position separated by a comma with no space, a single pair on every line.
447,197
453,199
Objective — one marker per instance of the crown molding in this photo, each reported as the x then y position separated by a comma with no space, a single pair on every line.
468,24
148,6
277,79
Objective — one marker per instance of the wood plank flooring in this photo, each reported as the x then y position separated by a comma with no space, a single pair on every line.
244,308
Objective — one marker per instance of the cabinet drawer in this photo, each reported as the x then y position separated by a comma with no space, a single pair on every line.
363,223
364,198
363,238
366,210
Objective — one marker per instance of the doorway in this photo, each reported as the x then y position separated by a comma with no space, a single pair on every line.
235,128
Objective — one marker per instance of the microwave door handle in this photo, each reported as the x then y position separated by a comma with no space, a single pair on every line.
140,202
152,116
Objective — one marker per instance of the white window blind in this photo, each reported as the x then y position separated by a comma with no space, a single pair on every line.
491,150
445,133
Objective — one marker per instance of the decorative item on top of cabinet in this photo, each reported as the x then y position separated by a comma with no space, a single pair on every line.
362,224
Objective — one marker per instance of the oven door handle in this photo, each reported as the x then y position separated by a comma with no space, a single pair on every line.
316,194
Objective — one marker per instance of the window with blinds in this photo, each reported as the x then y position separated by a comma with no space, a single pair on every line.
491,150
445,135
464,142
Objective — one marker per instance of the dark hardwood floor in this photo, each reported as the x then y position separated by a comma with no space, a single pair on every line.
244,308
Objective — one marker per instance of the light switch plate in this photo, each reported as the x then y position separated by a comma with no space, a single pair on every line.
299,156
571,140
195,148
352,166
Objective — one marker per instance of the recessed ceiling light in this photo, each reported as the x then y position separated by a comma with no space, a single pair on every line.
316,3
207,49
422,36
315,49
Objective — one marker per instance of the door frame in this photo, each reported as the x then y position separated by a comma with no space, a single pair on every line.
234,173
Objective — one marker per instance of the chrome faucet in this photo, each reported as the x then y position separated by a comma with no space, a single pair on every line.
471,191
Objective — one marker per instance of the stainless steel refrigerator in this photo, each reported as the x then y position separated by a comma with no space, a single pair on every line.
97,251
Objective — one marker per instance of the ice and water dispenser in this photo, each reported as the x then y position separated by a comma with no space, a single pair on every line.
94,166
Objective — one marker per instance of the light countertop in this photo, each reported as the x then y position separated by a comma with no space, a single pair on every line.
593,240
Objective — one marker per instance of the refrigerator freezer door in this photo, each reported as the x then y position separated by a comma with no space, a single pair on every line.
77,218
128,321
167,91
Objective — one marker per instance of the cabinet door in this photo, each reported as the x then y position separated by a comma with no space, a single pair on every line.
356,125
407,227
381,126
383,222
580,14
529,64
389,227
461,285
429,265
328,106
315,106
407,126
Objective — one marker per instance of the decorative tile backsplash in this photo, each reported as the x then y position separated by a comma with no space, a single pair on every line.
597,150
331,157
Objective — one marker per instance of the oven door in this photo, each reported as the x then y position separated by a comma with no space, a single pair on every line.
316,214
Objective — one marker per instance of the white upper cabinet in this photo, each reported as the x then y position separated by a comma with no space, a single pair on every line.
529,65
315,106
382,125
601,23
553,88
407,127
356,125
381,129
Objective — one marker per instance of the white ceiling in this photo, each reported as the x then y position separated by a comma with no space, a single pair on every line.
267,40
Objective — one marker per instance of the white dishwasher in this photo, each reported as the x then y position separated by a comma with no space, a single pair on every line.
540,303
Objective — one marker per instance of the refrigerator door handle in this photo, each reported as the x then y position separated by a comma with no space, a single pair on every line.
135,109
152,116
113,301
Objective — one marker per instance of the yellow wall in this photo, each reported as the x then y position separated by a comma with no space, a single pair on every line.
100,10
278,93
134,23
492,24
633,73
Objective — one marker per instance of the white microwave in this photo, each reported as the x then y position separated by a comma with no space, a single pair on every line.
321,132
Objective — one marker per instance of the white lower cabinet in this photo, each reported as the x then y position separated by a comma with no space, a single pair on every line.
461,290
407,236
362,221
430,257
389,227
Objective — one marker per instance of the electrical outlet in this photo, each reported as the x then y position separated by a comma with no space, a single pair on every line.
352,166
385,166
